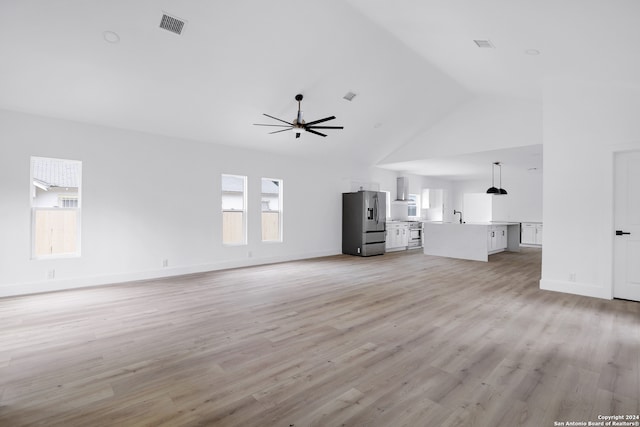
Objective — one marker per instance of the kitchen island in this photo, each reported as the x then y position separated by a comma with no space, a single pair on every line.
474,241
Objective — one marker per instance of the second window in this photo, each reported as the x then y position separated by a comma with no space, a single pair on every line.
271,210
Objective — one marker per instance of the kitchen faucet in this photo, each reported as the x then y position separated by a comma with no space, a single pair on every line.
458,212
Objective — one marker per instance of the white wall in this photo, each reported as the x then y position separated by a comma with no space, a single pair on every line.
478,207
585,123
147,198
485,123
369,178
522,204
447,187
378,179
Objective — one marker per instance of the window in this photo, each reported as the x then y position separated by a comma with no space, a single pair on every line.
271,210
234,215
414,202
55,207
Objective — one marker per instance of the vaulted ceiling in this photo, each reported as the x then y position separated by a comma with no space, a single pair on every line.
411,63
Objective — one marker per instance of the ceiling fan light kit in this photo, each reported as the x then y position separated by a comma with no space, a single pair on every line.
299,125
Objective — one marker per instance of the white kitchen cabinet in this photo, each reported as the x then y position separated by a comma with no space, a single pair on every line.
471,240
502,236
497,238
392,241
436,205
531,234
539,234
528,236
397,236
491,239
405,235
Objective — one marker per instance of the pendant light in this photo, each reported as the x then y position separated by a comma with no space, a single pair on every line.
493,189
502,190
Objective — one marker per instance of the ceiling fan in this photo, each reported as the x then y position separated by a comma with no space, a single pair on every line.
298,124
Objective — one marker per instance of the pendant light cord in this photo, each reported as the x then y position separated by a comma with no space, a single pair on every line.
493,175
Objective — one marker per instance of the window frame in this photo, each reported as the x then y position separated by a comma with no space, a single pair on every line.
244,209
279,210
35,209
415,203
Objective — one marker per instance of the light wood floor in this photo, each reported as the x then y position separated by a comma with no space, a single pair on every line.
398,340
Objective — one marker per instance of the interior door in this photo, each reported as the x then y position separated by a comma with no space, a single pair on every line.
626,281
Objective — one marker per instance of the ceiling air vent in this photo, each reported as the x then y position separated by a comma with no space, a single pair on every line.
484,43
349,96
171,23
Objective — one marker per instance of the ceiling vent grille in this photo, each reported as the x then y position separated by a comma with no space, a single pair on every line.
349,96
484,44
171,23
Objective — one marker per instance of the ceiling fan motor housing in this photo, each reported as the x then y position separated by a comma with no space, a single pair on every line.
298,124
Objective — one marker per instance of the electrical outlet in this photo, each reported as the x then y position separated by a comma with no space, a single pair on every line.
249,254
572,277
51,274
165,263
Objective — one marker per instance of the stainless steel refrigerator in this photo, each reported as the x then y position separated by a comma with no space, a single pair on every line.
363,223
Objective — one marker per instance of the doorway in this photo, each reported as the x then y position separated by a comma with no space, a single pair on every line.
626,247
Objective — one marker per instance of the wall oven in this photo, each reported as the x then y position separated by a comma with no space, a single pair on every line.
415,234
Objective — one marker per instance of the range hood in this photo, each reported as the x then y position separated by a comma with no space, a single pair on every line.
402,189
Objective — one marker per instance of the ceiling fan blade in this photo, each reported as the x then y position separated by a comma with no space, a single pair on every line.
275,118
317,133
281,126
320,121
324,127
281,130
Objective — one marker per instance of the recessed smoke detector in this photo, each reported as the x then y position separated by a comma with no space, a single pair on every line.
111,37
484,44
173,24
349,96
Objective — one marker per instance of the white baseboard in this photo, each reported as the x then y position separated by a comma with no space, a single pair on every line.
576,288
85,282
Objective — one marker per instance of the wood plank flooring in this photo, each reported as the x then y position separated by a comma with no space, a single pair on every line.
398,340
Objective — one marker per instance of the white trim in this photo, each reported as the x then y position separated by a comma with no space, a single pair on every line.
244,210
585,289
609,221
34,209
279,210
16,289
